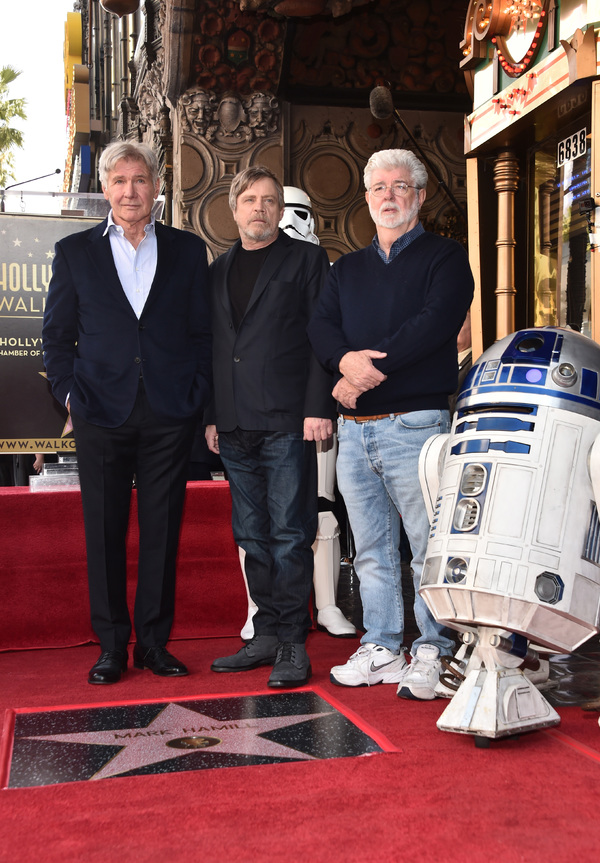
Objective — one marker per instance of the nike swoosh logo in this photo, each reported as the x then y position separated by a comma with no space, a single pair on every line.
379,667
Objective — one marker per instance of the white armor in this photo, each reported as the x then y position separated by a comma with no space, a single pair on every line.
298,219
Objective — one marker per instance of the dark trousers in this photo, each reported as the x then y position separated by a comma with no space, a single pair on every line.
157,454
273,482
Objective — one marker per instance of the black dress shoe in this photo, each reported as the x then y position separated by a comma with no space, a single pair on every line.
159,661
292,667
260,650
109,666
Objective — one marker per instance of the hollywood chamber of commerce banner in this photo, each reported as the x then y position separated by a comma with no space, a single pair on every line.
31,420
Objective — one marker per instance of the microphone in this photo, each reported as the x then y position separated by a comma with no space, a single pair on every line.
382,107
381,103
22,183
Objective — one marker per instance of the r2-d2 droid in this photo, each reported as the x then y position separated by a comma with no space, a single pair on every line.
513,560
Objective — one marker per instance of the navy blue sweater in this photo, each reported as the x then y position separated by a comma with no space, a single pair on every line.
411,308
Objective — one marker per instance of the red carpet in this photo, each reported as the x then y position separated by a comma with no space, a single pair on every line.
42,561
438,798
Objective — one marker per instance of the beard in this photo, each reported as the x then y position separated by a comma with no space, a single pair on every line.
395,216
259,231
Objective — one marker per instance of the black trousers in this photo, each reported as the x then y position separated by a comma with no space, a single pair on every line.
157,454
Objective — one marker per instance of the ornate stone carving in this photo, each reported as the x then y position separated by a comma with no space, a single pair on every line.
231,117
402,42
228,120
263,112
198,109
233,52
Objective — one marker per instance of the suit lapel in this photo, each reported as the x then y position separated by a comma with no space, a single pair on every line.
104,264
274,260
223,283
163,264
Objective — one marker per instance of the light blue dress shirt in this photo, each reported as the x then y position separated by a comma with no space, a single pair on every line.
135,267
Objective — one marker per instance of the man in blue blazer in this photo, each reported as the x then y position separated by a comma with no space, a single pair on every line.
127,348
272,402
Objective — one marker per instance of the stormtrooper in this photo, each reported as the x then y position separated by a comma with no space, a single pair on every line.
298,222
513,559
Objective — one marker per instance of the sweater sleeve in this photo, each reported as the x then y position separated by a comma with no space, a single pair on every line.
325,329
318,400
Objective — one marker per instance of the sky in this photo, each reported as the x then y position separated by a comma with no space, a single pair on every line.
32,35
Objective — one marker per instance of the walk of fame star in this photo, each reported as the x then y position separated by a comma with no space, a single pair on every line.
126,740
177,732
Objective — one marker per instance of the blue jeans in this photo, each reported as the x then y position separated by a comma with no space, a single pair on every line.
273,482
377,471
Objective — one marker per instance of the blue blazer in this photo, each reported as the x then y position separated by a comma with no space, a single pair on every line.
95,347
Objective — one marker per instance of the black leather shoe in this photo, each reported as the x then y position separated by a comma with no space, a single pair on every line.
260,650
292,667
109,666
159,661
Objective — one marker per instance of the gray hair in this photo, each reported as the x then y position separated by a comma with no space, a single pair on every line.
249,176
389,160
127,150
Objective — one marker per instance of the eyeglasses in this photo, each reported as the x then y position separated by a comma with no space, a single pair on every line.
398,189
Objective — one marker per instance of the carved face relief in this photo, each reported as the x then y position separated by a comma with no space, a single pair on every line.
198,111
149,106
261,114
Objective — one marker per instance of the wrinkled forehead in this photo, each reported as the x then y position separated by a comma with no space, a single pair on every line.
387,176
129,167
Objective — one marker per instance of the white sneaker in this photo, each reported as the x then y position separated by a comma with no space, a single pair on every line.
421,676
370,664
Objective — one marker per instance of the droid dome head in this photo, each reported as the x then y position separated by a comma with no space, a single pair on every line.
553,366
298,220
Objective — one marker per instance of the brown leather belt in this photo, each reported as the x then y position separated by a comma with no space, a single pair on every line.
374,417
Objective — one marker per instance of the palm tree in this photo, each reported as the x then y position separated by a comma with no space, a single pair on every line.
9,137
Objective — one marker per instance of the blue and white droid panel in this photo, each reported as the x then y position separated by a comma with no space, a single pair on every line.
515,537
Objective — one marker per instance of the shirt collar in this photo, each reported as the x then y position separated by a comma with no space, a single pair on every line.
110,223
400,244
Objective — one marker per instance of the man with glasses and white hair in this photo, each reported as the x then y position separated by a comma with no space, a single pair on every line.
386,324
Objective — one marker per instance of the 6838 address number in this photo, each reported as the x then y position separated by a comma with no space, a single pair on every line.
571,148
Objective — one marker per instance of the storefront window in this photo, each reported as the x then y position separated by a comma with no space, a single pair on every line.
562,273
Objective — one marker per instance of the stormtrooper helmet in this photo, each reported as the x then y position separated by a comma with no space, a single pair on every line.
298,220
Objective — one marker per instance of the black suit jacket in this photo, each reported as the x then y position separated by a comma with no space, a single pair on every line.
266,376
95,346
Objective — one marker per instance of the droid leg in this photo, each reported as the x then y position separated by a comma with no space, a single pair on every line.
456,668
327,556
247,631
496,698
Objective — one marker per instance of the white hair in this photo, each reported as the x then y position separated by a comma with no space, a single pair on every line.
389,160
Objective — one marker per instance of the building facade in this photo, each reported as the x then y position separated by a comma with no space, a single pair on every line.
532,165
216,85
